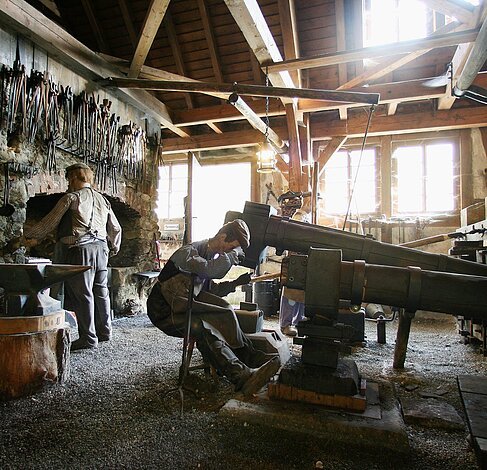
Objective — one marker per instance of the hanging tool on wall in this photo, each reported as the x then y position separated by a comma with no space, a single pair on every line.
17,95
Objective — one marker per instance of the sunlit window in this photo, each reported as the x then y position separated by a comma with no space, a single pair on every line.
173,187
350,180
425,178
218,189
388,21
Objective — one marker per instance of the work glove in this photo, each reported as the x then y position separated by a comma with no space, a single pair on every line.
242,280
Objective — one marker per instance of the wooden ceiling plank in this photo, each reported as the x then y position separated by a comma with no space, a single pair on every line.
176,52
249,18
341,57
152,22
25,19
456,10
127,19
95,28
210,39
247,90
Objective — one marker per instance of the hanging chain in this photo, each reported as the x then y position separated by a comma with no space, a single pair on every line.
266,105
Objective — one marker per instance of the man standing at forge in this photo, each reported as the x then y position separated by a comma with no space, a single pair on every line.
214,324
87,230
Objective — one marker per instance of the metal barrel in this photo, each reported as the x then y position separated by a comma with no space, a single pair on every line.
417,289
284,234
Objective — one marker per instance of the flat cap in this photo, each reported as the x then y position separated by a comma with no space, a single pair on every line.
241,231
76,166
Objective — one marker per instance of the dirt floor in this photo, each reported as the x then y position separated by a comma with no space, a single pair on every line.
115,411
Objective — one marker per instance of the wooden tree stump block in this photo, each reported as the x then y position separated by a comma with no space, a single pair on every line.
31,360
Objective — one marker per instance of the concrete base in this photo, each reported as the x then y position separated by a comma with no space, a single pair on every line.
380,426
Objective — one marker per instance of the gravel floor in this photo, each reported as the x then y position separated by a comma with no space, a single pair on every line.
114,412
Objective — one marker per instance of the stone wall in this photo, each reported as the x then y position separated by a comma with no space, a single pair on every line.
35,185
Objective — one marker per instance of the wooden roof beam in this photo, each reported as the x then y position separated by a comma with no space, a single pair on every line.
327,151
391,64
246,90
257,123
152,22
402,47
462,11
404,123
248,16
424,121
389,92
210,39
459,61
287,17
176,52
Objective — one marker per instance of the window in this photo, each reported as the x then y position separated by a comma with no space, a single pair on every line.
173,187
425,177
347,174
388,21
218,189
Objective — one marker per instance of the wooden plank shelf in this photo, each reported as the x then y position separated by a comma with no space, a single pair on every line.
473,391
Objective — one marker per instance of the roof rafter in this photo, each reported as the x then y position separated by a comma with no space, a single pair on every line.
126,15
393,63
210,39
402,47
176,52
88,9
462,11
152,22
248,16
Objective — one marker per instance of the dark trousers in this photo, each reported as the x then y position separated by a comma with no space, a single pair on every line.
89,289
215,327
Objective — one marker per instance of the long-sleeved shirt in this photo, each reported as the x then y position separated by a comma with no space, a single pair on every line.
87,218
195,258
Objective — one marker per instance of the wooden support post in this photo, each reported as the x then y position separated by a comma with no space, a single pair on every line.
402,339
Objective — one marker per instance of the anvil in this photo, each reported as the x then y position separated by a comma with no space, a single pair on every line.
25,286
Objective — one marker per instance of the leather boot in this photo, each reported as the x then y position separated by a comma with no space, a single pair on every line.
223,359
251,356
221,356
261,376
